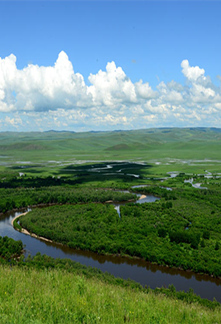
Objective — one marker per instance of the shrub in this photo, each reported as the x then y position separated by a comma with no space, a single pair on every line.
206,235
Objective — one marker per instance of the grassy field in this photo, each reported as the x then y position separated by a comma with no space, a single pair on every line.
58,296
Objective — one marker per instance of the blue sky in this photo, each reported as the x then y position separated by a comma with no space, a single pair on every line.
105,65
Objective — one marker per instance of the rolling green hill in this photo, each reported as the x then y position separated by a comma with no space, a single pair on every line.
164,149
180,143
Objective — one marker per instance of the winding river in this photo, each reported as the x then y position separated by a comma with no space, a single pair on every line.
139,270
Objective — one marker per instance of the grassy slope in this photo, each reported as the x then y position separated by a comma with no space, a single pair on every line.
61,297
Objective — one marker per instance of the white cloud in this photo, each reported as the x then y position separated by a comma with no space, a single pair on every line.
16,121
144,91
111,87
40,88
202,94
192,73
54,97
168,94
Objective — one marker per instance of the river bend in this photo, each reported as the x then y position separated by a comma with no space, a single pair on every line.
139,270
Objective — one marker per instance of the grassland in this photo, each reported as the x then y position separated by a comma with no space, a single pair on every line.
171,143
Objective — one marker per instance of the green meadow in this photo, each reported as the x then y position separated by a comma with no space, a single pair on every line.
171,143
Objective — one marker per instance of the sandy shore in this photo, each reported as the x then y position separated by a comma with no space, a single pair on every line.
17,217
24,231
142,197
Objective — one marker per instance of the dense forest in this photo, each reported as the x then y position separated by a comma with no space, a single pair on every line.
24,197
179,230
9,248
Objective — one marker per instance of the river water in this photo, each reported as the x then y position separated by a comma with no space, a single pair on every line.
138,270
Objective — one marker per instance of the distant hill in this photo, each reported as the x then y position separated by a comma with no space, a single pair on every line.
146,144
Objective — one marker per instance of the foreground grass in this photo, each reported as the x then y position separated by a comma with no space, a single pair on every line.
58,296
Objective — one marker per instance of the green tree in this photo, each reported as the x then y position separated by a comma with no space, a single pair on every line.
217,246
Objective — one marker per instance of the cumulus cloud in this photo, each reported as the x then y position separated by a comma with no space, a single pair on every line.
192,73
57,97
169,94
144,91
111,87
40,88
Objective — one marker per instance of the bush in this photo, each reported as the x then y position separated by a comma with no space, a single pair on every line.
202,243
162,232
206,235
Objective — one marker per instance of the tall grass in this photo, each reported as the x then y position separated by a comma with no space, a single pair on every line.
57,296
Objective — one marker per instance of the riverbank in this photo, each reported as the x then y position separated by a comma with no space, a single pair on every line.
24,231
101,253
